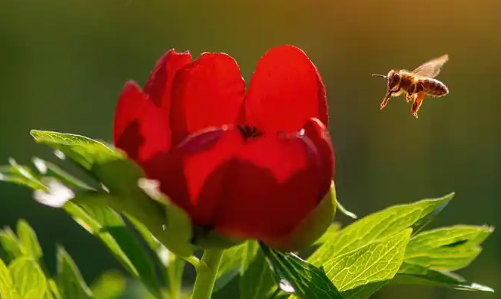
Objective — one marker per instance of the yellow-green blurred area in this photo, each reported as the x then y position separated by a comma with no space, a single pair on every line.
64,63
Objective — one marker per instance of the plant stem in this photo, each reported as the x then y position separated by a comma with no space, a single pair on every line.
174,276
207,273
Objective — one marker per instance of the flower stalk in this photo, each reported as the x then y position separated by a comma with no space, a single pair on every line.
207,273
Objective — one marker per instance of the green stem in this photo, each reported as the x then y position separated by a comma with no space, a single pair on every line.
207,273
174,276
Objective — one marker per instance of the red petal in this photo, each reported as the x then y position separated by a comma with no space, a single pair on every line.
208,92
273,184
285,91
193,174
159,84
139,127
318,134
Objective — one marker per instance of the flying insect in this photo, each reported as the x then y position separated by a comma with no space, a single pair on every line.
416,84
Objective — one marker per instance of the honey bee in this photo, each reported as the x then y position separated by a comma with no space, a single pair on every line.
416,84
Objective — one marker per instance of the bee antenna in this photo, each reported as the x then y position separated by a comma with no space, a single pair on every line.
379,75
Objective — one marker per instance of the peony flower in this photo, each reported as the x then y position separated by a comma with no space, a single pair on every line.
245,164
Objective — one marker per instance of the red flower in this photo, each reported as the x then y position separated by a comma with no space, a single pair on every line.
250,165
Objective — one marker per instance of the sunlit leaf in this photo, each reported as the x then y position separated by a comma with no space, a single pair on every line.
48,169
10,244
108,226
84,151
230,265
110,285
29,240
70,281
28,278
409,274
21,175
257,280
121,177
7,288
449,248
54,290
379,225
329,234
300,278
360,273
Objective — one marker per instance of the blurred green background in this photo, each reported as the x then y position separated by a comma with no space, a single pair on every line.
63,64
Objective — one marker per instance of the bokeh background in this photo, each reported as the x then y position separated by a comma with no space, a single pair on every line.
63,64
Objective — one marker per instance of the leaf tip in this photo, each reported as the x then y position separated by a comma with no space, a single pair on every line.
482,288
35,134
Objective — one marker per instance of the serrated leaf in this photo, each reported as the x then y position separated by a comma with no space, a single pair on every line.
409,274
84,151
229,266
256,278
7,288
121,177
96,219
379,225
28,278
300,278
10,244
110,285
108,226
70,281
360,273
29,240
449,248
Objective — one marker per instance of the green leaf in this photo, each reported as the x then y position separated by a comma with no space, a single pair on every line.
21,175
84,151
28,278
409,274
7,288
449,248
379,225
54,291
10,244
108,226
121,177
300,278
329,234
360,273
110,285
29,240
230,264
148,237
70,281
256,278
48,169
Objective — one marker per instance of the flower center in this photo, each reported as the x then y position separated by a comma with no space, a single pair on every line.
249,131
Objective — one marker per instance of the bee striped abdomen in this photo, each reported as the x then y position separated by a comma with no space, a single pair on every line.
434,88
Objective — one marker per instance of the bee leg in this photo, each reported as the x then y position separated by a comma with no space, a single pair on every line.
410,98
417,103
385,101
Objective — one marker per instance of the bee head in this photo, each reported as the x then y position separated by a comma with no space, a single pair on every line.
393,79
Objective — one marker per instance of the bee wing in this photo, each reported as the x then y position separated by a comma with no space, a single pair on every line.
431,68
